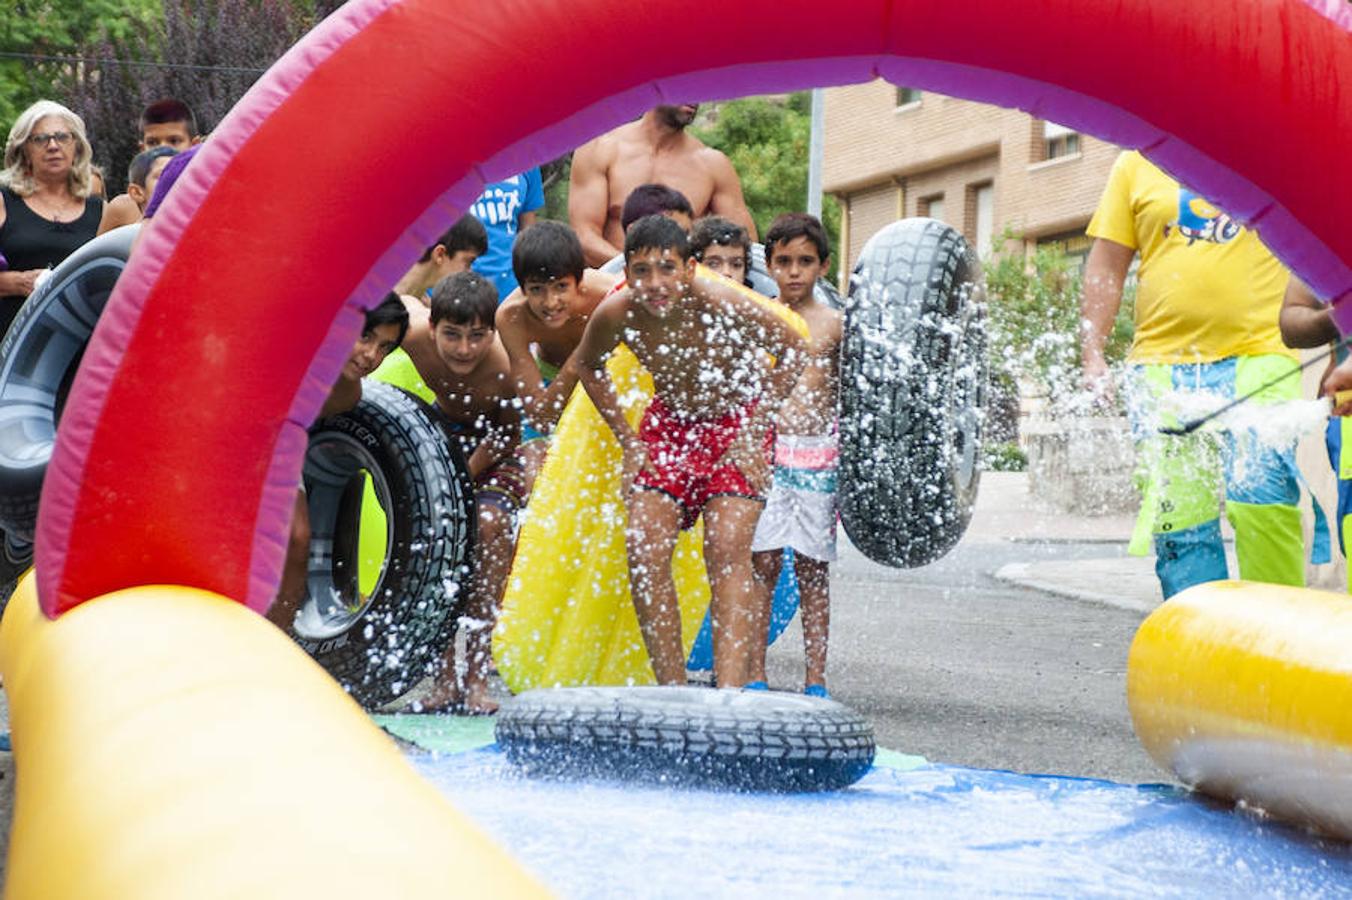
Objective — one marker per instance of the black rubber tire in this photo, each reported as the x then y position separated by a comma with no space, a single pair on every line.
913,375
692,736
381,651
760,279
38,359
16,557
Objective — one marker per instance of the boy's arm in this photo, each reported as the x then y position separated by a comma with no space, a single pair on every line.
1304,321
588,361
530,387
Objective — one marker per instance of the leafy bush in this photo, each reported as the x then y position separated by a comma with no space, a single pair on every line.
1034,307
1004,457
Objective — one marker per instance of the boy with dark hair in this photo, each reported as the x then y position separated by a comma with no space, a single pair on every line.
701,444
723,247
656,199
168,123
142,175
800,511
382,331
541,324
462,244
478,404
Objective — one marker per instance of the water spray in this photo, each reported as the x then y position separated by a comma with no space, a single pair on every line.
1190,426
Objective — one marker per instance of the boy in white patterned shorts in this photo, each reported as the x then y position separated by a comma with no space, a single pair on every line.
800,512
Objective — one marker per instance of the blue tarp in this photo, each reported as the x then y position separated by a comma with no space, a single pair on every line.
928,830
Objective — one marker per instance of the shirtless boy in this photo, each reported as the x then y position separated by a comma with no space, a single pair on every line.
800,511
701,445
656,148
415,365
541,324
475,397
384,328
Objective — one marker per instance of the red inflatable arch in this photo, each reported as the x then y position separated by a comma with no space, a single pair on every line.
181,443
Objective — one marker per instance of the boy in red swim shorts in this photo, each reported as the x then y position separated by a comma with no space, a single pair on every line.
702,444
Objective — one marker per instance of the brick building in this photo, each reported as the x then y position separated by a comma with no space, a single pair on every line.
894,152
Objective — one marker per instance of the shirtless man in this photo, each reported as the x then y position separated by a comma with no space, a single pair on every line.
656,148
701,445
800,511
541,324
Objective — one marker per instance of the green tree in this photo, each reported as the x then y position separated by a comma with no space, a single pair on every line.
206,53
42,42
767,139
1034,308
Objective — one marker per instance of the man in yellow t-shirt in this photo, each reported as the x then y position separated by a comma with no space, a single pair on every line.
1207,305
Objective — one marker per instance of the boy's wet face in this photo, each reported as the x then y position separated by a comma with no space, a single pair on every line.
795,267
462,346
370,351
166,134
729,262
658,279
552,301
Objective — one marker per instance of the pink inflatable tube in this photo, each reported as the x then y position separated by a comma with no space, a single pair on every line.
180,447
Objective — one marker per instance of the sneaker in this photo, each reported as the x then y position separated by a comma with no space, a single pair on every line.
817,690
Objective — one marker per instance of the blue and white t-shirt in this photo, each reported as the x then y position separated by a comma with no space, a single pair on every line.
500,207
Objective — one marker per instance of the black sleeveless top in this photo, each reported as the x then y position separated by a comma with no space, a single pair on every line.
30,241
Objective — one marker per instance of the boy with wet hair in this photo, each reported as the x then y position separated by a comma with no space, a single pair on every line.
701,445
656,199
382,331
462,244
723,247
541,324
800,511
478,404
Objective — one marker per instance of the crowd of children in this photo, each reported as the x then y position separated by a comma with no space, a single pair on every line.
741,427
740,430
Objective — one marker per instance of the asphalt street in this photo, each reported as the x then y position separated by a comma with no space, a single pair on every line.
953,665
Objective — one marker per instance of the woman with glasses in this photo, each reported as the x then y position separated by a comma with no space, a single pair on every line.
48,209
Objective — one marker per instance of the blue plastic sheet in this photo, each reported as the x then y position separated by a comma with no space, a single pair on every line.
928,830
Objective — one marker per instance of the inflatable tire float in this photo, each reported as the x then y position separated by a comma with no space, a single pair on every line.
740,740
38,360
16,556
912,385
379,644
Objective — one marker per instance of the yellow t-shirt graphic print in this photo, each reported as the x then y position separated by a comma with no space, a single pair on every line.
1207,287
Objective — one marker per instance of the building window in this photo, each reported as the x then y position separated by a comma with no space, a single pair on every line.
980,217
908,96
1074,244
933,206
1059,141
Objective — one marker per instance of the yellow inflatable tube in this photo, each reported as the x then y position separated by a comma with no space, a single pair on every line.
170,743
1244,691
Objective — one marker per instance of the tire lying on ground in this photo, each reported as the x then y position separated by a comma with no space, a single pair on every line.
16,556
379,646
699,737
38,360
912,389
